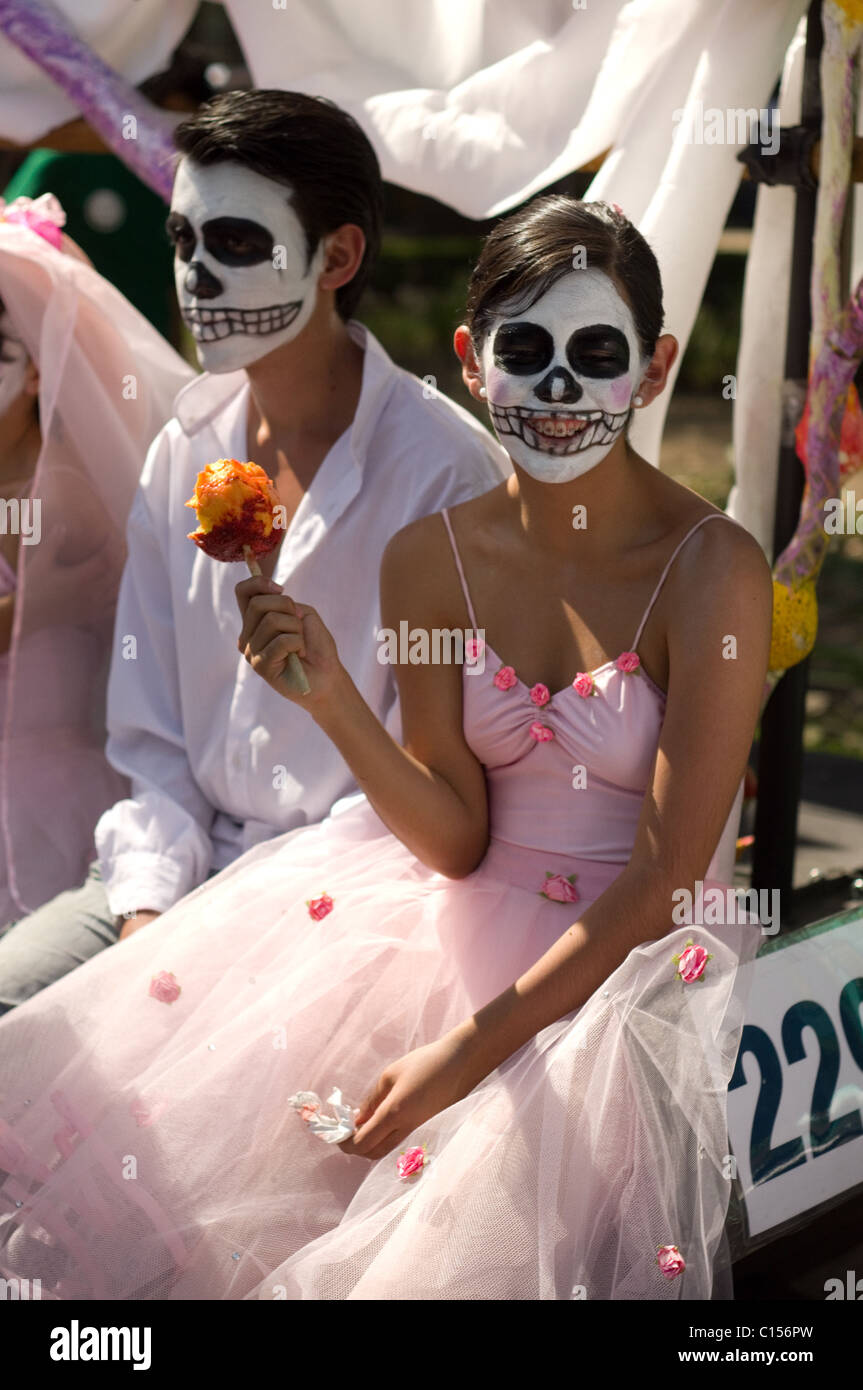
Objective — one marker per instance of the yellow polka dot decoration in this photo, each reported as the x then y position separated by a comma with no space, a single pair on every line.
795,624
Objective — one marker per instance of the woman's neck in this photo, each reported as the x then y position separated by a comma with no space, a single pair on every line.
595,513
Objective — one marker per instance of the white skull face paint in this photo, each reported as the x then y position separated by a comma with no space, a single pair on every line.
560,376
240,263
14,360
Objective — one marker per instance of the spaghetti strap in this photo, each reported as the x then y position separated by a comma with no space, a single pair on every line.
460,567
710,517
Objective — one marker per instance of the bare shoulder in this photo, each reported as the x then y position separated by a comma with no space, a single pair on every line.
714,554
419,577
426,539
721,557
718,601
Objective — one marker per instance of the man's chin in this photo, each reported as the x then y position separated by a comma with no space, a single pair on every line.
217,366
240,351
234,355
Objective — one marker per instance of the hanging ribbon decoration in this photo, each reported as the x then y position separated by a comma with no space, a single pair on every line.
130,125
829,437
795,609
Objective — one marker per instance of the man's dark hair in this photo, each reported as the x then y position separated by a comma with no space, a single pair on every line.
310,145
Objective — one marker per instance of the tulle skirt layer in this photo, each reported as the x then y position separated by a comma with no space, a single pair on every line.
147,1150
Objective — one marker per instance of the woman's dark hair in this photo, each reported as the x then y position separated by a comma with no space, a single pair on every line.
310,145
526,253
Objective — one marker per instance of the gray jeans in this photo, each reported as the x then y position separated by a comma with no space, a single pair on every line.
36,950
63,933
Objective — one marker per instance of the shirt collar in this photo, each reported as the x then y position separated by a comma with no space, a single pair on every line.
208,394
379,378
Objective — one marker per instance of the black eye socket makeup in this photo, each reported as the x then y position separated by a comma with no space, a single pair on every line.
237,241
598,351
523,348
180,235
230,240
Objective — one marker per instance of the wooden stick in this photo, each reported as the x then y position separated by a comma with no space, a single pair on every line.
295,673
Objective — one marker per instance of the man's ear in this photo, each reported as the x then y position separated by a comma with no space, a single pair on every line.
343,253
471,372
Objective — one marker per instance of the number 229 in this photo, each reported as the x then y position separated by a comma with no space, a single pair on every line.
767,1161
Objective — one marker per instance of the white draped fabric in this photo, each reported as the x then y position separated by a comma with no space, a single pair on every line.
761,358
483,103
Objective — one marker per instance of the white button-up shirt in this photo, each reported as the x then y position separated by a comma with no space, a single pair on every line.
217,760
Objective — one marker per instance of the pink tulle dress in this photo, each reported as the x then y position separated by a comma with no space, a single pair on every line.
7,587
146,1138
107,382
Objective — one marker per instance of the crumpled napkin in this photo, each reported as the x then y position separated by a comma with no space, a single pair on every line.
332,1128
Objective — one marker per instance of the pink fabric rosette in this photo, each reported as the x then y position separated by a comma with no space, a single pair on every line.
43,215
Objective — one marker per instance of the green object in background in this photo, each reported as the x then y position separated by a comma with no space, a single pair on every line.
114,218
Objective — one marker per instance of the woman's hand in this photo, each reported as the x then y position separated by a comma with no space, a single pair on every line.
273,627
409,1092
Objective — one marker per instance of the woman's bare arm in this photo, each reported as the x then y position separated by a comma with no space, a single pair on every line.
431,791
719,589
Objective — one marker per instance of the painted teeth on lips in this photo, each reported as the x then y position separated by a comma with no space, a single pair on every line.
558,428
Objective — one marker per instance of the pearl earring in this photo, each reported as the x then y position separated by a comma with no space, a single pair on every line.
482,391
638,400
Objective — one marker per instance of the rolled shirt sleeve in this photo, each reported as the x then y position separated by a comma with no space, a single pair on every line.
155,846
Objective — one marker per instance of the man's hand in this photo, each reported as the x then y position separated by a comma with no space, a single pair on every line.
133,924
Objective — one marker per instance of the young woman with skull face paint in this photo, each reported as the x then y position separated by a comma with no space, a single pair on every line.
492,956
562,356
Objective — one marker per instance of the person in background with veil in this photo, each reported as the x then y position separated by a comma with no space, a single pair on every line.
85,384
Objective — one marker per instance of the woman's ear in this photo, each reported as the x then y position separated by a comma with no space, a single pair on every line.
655,375
471,372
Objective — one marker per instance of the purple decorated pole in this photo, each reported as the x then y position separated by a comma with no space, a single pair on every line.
797,568
832,374
130,125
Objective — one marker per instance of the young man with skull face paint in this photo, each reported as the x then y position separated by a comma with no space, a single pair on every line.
246,284
492,973
276,222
